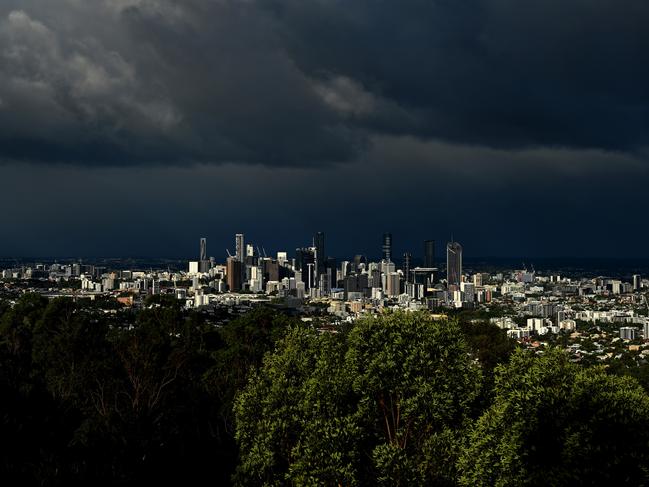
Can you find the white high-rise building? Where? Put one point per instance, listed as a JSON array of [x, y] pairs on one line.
[[628, 333], [477, 280], [300, 289], [535, 324], [393, 284], [387, 267], [616, 287], [344, 269]]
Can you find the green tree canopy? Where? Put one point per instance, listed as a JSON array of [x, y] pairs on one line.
[[556, 423], [381, 404]]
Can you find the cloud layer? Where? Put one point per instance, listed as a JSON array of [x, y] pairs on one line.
[[309, 83], [528, 203]]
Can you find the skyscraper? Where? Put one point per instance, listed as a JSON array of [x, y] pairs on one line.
[[407, 262], [310, 275], [387, 246], [358, 261], [393, 284], [304, 257], [319, 244], [203, 255], [429, 253], [240, 247], [203, 262], [233, 272], [453, 263]]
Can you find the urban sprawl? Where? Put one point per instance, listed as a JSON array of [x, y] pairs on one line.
[[596, 318]]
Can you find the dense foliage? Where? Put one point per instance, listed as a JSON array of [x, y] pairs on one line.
[[93, 398], [163, 395], [384, 404], [553, 422]]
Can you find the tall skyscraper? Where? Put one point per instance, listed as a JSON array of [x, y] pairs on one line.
[[393, 284], [233, 272], [637, 282], [359, 260], [203, 262], [310, 275], [407, 262], [330, 269], [320, 256], [240, 247], [344, 269], [271, 269], [203, 255], [305, 257], [453, 263], [429, 253], [387, 246]]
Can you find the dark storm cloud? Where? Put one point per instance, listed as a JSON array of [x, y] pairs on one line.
[[503, 73], [532, 202], [186, 82], [305, 83]]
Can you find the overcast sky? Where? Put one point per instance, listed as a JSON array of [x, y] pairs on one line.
[[135, 127]]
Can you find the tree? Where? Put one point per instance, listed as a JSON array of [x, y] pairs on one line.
[[243, 343], [137, 396], [70, 351], [417, 385], [267, 410], [490, 346], [397, 390], [35, 427], [555, 423], [16, 332]]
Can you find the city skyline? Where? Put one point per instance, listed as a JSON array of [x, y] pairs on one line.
[[332, 242], [221, 247]]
